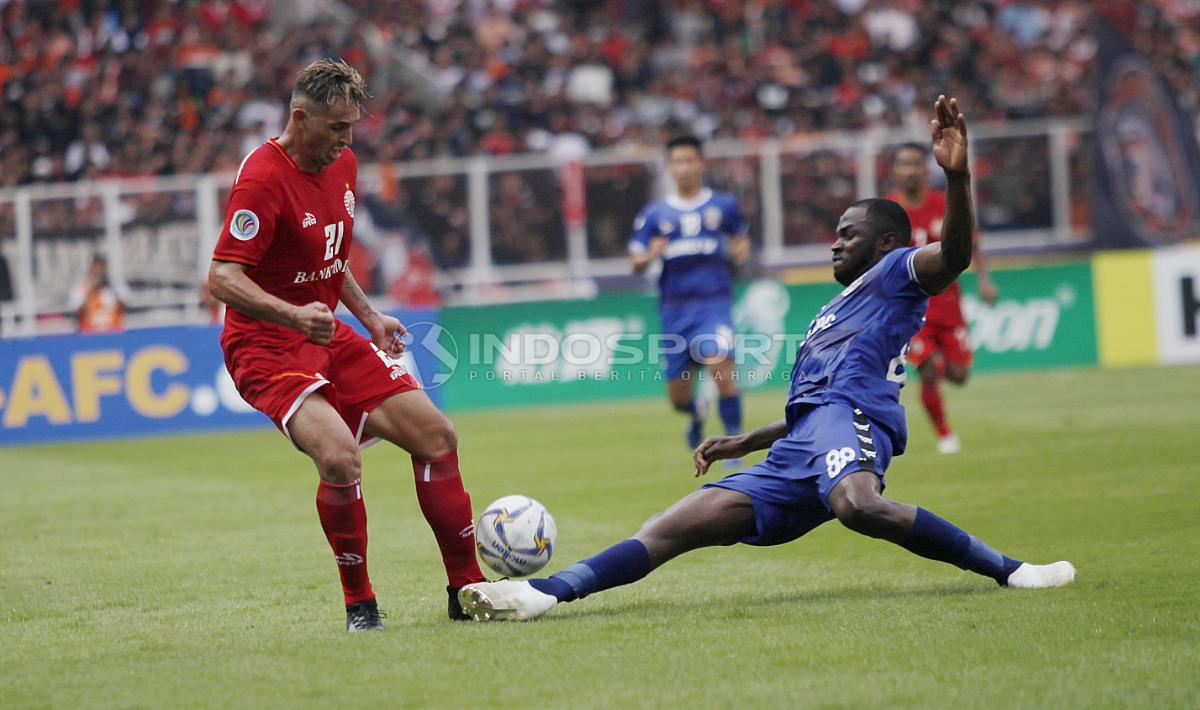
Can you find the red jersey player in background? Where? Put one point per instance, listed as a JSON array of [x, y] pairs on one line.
[[281, 266], [941, 348]]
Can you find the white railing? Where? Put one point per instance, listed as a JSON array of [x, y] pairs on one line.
[[499, 227]]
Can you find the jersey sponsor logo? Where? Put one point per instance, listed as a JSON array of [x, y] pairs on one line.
[[348, 200], [712, 218], [243, 225], [330, 271], [821, 323], [309, 220], [691, 247], [689, 223]]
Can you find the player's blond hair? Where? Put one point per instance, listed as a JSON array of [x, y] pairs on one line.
[[326, 80]]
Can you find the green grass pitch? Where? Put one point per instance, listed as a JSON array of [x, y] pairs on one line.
[[191, 571]]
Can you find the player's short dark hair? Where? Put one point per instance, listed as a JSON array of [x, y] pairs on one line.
[[324, 81], [685, 141], [887, 216], [911, 145]]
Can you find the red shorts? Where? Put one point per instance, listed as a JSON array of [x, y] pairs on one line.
[[949, 340], [274, 371]]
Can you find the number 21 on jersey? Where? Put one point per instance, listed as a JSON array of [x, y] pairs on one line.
[[333, 239]]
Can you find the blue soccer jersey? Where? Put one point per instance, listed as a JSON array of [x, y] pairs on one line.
[[695, 262], [853, 352]]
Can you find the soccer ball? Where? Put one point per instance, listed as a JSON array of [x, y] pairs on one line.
[[515, 536]]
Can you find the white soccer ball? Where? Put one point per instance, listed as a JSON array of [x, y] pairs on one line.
[[515, 536]]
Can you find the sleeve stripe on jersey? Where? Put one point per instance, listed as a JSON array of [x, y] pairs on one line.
[[243, 165], [235, 259], [912, 267], [636, 247]]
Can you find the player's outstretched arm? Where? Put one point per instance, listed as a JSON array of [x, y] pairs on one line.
[[938, 264], [228, 282], [716, 448], [386, 331]]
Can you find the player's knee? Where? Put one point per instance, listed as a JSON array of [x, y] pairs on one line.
[[440, 440], [957, 374], [340, 465], [865, 514]]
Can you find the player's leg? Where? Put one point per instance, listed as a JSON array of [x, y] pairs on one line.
[[857, 503], [679, 368], [714, 347], [412, 422], [955, 363], [318, 430], [707, 517], [682, 391], [956, 349], [923, 353], [729, 400]]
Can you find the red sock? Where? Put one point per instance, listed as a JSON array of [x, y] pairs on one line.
[[931, 397], [344, 519], [447, 508]]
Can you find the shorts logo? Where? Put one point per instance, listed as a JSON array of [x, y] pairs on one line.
[[309, 220], [348, 200], [244, 225]]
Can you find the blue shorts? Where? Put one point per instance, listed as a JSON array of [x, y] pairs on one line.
[[790, 489], [695, 333]]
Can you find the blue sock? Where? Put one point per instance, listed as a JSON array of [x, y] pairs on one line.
[[937, 539], [731, 413], [623, 563]]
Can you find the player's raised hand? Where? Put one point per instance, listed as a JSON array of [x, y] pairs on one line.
[[715, 448], [316, 321], [949, 132], [388, 335]]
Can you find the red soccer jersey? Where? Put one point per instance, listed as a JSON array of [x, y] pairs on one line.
[[291, 228], [926, 218]]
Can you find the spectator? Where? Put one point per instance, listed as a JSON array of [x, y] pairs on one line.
[[97, 305]]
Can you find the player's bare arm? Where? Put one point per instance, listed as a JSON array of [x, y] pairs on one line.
[[228, 282], [988, 292], [385, 330], [938, 264], [739, 249], [641, 261], [716, 448]]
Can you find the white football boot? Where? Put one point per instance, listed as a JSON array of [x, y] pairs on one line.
[[949, 444], [1027, 576], [506, 600]]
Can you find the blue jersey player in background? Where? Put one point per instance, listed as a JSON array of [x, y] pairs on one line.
[[698, 233], [842, 423]]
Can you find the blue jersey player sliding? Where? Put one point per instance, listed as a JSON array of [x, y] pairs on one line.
[[696, 232], [843, 423]]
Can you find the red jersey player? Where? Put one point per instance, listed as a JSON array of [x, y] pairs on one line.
[[940, 348], [281, 266]]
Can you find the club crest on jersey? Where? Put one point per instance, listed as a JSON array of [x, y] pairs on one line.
[[712, 218], [309, 220], [244, 225], [348, 200], [665, 226]]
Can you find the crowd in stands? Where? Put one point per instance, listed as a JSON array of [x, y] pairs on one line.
[[95, 88]]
